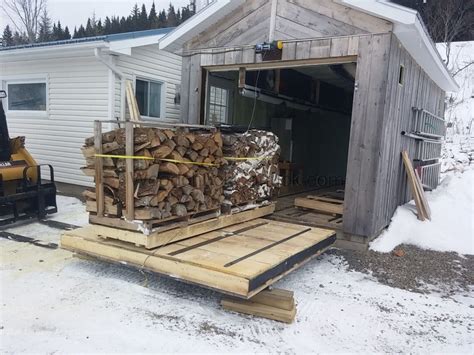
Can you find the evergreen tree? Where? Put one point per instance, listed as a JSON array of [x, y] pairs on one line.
[[133, 19], [122, 25], [75, 32], [54, 33], [99, 29], [90, 32], [81, 32], [19, 39], [172, 20], [143, 19], [153, 17], [60, 32], [107, 26], [7, 38], [178, 17], [44, 34], [67, 34], [162, 19]]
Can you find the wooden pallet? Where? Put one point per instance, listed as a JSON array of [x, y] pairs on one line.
[[137, 234], [147, 227], [273, 304], [239, 260], [322, 204]]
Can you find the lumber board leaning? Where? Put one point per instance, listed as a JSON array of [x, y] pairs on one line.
[[413, 185], [424, 201]]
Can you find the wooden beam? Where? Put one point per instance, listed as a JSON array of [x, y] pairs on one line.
[[99, 166], [284, 64], [129, 173]]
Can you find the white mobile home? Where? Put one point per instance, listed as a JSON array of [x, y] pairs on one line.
[[57, 89]]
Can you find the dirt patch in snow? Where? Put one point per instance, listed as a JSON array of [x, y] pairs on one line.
[[418, 270]]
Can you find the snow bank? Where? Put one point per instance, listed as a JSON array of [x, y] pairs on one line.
[[451, 228]]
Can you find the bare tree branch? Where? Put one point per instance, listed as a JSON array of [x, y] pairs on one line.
[[463, 68], [24, 14]]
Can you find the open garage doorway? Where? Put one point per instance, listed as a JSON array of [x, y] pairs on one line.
[[309, 108]]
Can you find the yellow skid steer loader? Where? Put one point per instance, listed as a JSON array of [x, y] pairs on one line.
[[23, 193]]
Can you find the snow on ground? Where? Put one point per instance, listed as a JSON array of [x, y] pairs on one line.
[[52, 302], [452, 224]]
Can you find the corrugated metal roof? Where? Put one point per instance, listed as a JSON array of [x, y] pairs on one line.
[[105, 38]]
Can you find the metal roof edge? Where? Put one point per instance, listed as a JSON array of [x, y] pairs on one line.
[[126, 37]]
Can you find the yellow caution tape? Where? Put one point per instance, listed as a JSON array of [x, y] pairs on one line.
[[123, 157], [151, 158], [249, 158], [187, 162]]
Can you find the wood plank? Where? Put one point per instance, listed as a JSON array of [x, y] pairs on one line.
[[412, 181], [99, 166], [424, 201], [161, 238], [319, 205], [278, 298], [129, 172], [259, 310]]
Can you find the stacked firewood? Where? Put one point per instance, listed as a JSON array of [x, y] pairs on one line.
[[180, 176], [252, 172]]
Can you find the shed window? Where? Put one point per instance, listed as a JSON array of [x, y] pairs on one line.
[[218, 105], [149, 97], [26, 96], [401, 79]]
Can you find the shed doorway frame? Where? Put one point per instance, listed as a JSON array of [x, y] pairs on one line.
[[271, 65]]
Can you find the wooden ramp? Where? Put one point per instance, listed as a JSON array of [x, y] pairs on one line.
[[239, 260]]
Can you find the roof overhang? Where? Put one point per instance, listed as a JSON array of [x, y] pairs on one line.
[[412, 33], [408, 27]]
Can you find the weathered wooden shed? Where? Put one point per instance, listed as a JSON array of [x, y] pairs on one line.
[[355, 83]]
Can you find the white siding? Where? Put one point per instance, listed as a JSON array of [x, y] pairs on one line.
[[78, 94], [151, 63], [77, 89]]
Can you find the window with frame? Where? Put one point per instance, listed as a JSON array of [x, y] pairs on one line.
[[149, 96], [218, 105], [27, 96]]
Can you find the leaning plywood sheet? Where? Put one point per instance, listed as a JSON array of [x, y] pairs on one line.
[[239, 260]]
